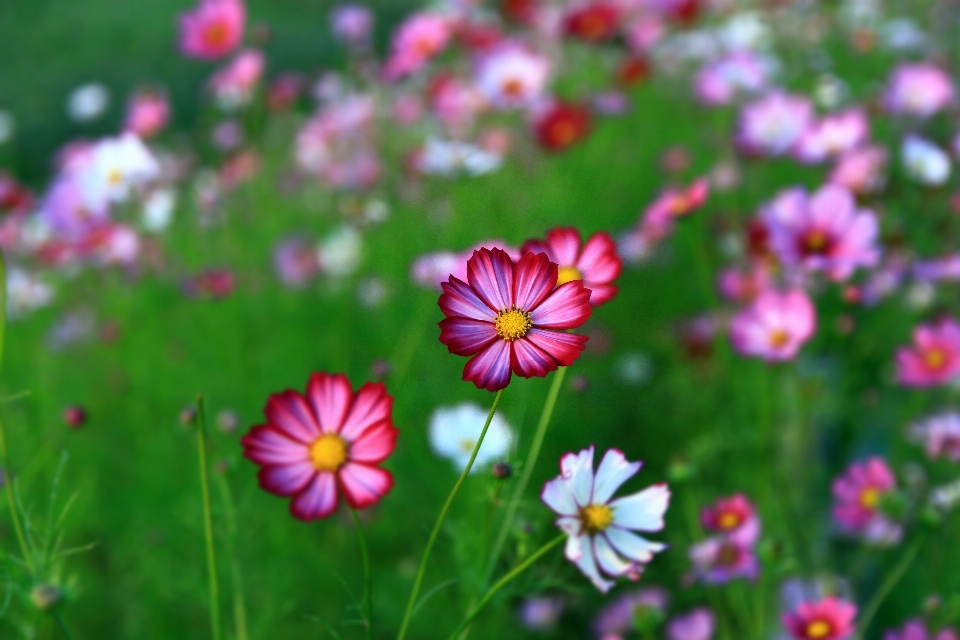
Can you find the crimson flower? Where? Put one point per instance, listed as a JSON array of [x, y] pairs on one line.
[[324, 444], [596, 263], [561, 126], [510, 317]]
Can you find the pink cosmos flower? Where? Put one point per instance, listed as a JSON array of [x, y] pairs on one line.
[[857, 495], [822, 232], [919, 90], [744, 285], [213, 29], [147, 113], [832, 136], [698, 624], [723, 80], [934, 357], [720, 559], [329, 442], [596, 262], [617, 619], [234, 84], [600, 530], [510, 76], [510, 316], [772, 125], [351, 23], [827, 619], [416, 41], [677, 203], [296, 262], [862, 170], [728, 515], [775, 326], [940, 436], [917, 630]]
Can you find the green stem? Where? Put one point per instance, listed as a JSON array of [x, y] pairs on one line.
[[62, 625], [239, 604], [367, 592], [8, 474], [887, 585], [443, 515], [504, 580], [215, 624], [528, 466]]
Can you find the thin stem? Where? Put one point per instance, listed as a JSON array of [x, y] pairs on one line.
[[443, 515], [367, 592], [62, 625], [504, 580], [528, 466], [888, 584], [239, 603], [215, 623], [8, 475]]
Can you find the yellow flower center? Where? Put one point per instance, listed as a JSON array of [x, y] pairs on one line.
[[568, 274], [512, 323], [328, 452], [115, 177], [728, 520], [467, 445], [869, 498], [934, 358], [512, 88], [596, 518], [216, 34], [779, 338], [819, 629]]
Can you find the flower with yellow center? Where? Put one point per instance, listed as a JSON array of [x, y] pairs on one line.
[[819, 629], [596, 518], [568, 274], [729, 520], [779, 338], [869, 498], [512, 323], [328, 452], [934, 358]]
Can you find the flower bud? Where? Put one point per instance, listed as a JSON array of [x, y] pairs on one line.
[[45, 596], [75, 416], [502, 470]]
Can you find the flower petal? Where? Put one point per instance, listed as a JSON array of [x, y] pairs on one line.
[[587, 563], [267, 445], [534, 279], [577, 469], [364, 485], [490, 274], [289, 412], [459, 300], [642, 511], [287, 479], [611, 563], [371, 405], [558, 495], [490, 369], [330, 398], [613, 471], [567, 307], [564, 245], [632, 546], [599, 260], [467, 337], [565, 348], [374, 444], [318, 499], [529, 360]]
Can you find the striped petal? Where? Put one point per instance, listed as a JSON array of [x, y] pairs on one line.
[[364, 485], [371, 405], [466, 337], [567, 307], [490, 369], [289, 412], [288, 479], [490, 274], [529, 360], [535, 278], [330, 398], [564, 245], [374, 444], [459, 300], [318, 499], [565, 348], [267, 445]]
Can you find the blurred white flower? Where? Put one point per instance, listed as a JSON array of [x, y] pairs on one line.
[[745, 30], [920, 295], [26, 291], [830, 91], [449, 157], [116, 166], [925, 162], [372, 292], [7, 126], [454, 431], [158, 209], [339, 253], [88, 102], [903, 34]]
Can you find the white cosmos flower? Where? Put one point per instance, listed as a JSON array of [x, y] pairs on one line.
[[510, 76], [115, 166], [925, 162], [454, 431], [601, 539], [339, 253], [88, 102], [449, 157]]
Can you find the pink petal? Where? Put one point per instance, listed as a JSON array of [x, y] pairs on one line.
[[535, 278], [288, 479], [490, 274], [374, 444], [289, 412], [490, 369], [371, 405], [267, 445], [330, 397], [600, 293], [567, 307], [362, 485], [564, 245], [599, 261], [459, 300], [565, 348], [318, 499], [466, 337], [529, 360]]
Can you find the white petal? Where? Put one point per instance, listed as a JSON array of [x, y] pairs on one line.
[[588, 565], [642, 511], [613, 471], [558, 495], [632, 546], [607, 557], [569, 525], [578, 469]]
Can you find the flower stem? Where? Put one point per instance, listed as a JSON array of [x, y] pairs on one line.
[[367, 603], [528, 466], [504, 580], [215, 623], [63, 626], [888, 584], [4, 458], [239, 605], [443, 515]]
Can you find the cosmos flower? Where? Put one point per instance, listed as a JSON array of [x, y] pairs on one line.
[[327, 443], [147, 113], [453, 433], [616, 620], [822, 232], [772, 125], [416, 41], [775, 326], [593, 22], [510, 76], [925, 162], [595, 262], [233, 85], [720, 559], [698, 624], [296, 262], [561, 125], [114, 168], [511, 316], [857, 496], [600, 530], [213, 29], [676, 203], [832, 136], [918, 90], [351, 23], [934, 357], [940, 436], [917, 630], [452, 157], [862, 170], [827, 619], [728, 515], [739, 73]]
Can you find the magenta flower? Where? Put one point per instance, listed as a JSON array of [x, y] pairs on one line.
[[775, 326], [857, 495], [919, 90], [827, 619], [147, 113], [833, 135], [934, 357], [772, 125], [698, 624], [416, 41], [213, 29], [917, 630], [862, 171], [822, 232], [940, 436], [511, 316], [596, 263], [720, 559], [728, 515], [328, 442]]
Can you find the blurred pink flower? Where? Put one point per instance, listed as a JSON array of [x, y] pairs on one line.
[[934, 357], [233, 85], [147, 113], [595, 262], [725, 79], [857, 495], [862, 170], [510, 76], [775, 326], [720, 559], [919, 90], [698, 624], [827, 619], [940, 436], [296, 262], [728, 515], [743, 285], [832, 136], [351, 23], [415, 42], [213, 29], [917, 630], [772, 125]]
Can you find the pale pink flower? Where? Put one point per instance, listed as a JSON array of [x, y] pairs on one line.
[[773, 125], [919, 90], [862, 171], [934, 357], [775, 326], [213, 29], [233, 85], [857, 495], [736, 74], [510, 76], [147, 113], [351, 23], [832, 136], [416, 41], [698, 624]]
